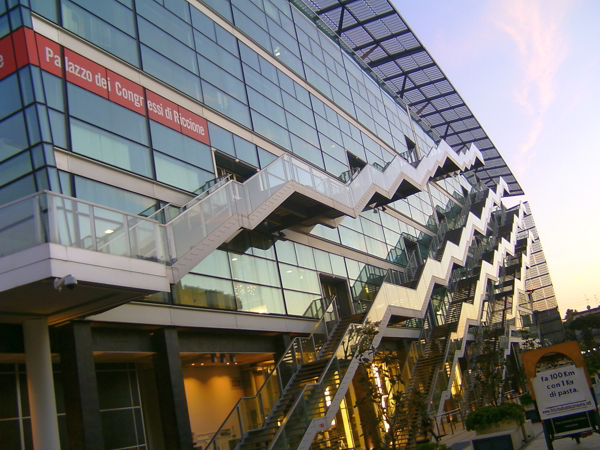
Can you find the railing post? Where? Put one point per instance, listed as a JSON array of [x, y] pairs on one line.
[[263, 416], [52, 225], [280, 383], [301, 352], [92, 226], [241, 421], [37, 220]]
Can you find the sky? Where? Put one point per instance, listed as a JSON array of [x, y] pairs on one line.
[[529, 70]]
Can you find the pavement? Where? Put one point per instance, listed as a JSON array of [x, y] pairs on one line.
[[460, 440], [589, 443]]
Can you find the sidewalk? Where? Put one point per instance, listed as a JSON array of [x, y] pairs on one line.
[[589, 443], [461, 441]]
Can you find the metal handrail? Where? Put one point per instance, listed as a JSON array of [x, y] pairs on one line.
[[201, 192], [311, 385], [275, 369]]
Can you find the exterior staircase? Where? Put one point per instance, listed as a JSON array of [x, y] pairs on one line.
[[288, 412], [509, 254]]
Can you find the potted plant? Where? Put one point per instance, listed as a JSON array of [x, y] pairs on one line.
[[432, 446], [530, 411], [492, 419]]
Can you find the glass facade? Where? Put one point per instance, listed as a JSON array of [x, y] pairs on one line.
[[127, 105], [178, 44], [308, 97]]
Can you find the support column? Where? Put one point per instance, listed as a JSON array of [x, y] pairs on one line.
[[40, 384], [171, 390], [84, 424]]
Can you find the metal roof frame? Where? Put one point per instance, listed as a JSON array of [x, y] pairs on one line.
[[377, 34]]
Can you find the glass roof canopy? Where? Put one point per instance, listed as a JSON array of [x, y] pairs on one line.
[[376, 32]]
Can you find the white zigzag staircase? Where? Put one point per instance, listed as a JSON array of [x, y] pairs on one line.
[[471, 314], [317, 401], [219, 216]]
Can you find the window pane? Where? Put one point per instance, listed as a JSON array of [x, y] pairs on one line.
[[305, 256], [209, 292], [254, 270], [110, 148], [53, 86], [106, 114], [13, 136], [167, 45], [179, 174], [171, 73], [299, 279], [181, 146], [259, 299], [322, 260], [286, 252], [98, 32], [215, 264], [164, 19], [298, 302], [113, 197], [9, 93]]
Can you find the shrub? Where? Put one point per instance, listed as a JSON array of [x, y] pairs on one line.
[[489, 416], [526, 399], [432, 446]]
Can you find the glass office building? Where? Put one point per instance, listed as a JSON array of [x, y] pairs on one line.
[[195, 194]]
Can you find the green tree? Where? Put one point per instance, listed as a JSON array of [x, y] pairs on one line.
[[586, 324]]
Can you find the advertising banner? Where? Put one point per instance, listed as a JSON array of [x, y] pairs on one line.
[[27, 47], [561, 392]]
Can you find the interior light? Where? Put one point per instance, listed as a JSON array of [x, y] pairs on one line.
[[289, 271], [202, 364], [193, 364], [109, 231], [234, 259]]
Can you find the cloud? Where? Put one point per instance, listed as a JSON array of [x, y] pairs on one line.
[[534, 27]]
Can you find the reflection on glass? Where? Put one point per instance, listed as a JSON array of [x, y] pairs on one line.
[[254, 270], [259, 299], [299, 279], [209, 292], [299, 302]]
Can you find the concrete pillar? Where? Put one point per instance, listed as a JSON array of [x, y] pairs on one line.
[[84, 424], [40, 383], [171, 390]]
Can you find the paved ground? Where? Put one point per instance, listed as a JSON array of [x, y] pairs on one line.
[[589, 443], [460, 440]]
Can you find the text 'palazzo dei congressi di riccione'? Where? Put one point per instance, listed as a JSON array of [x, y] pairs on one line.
[[200, 201]]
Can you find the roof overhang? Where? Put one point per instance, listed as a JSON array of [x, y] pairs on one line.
[[379, 36]]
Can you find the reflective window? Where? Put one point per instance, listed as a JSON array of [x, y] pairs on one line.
[[299, 279], [253, 270], [167, 45], [113, 197], [216, 264], [100, 33], [14, 136], [181, 146], [179, 174], [259, 299], [297, 303], [106, 114], [171, 73], [9, 93], [196, 290], [286, 252], [110, 148]]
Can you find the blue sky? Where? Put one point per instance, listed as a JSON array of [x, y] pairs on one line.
[[530, 72]]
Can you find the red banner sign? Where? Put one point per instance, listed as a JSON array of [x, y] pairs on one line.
[[27, 47]]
